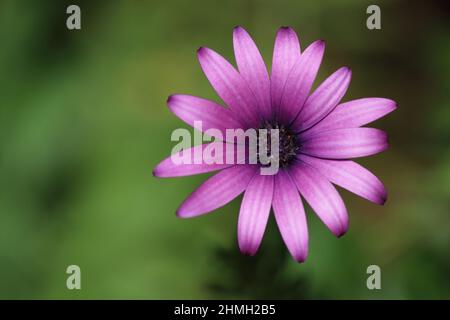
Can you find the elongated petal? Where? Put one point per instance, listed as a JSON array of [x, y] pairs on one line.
[[286, 52], [353, 114], [217, 191], [194, 110], [254, 213], [321, 196], [195, 160], [252, 68], [323, 100], [345, 143], [290, 216], [351, 176], [229, 85], [300, 80]]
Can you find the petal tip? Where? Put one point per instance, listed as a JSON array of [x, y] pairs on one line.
[[383, 199], [342, 231], [321, 42], [201, 50], [286, 29], [247, 248], [390, 104], [239, 33], [157, 172], [347, 69], [341, 228], [318, 46], [394, 105], [301, 255], [247, 251], [300, 259], [183, 210], [170, 99], [379, 196], [181, 213]]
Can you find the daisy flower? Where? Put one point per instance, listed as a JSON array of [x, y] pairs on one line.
[[318, 135]]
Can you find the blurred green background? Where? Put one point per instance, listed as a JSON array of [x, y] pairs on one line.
[[83, 121]]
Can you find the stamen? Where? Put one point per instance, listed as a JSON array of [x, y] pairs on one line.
[[288, 143]]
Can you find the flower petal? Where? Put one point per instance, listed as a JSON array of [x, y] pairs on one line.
[[351, 176], [345, 143], [299, 81], [286, 52], [192, 109], [290, 216], [229, 85], [323, 99], [321, 196], [254, 213], [252, 68], [217, 191], [353, 114], [197, 161]]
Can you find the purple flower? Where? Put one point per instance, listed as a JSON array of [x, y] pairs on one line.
[[318, 136]]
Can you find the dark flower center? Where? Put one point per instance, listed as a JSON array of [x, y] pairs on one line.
[[288, 144]]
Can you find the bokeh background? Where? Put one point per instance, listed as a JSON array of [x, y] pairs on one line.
[[83, 121]]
